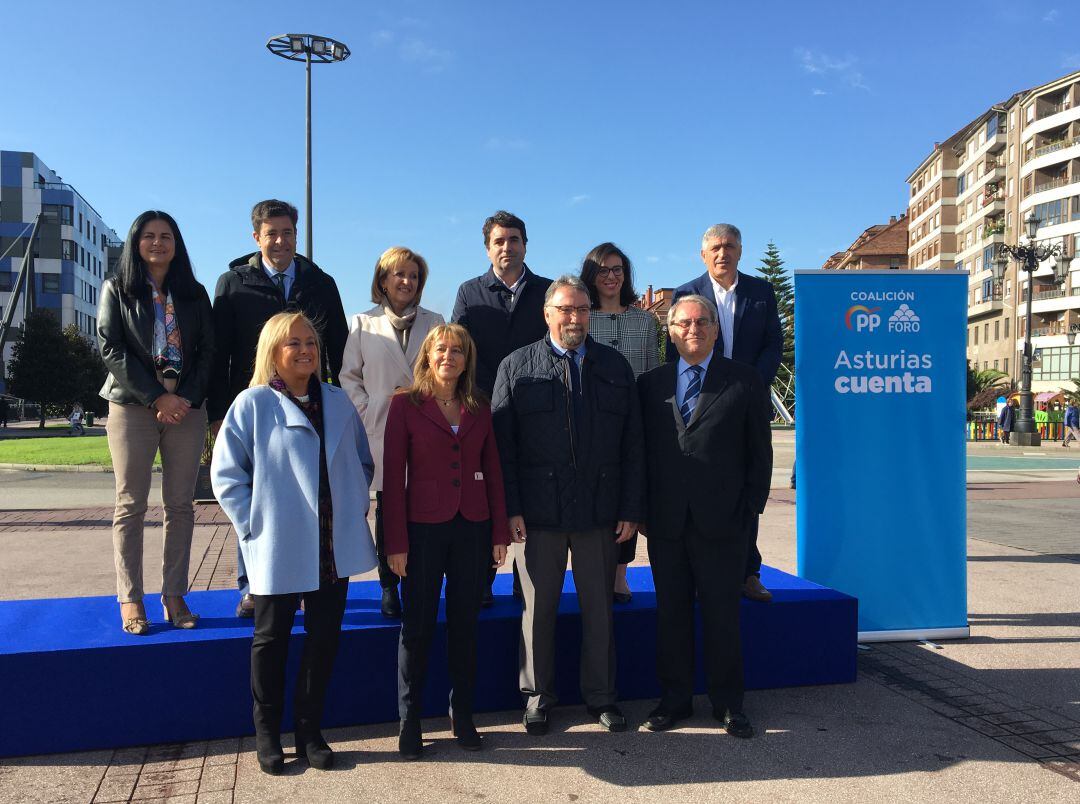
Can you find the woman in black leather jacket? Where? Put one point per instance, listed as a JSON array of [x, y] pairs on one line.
[[157, 340]]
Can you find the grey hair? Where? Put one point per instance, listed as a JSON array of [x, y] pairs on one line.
[[718, 230], [693, 298], [564, 281]]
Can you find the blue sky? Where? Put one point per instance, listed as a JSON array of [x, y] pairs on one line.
[[641, 123]]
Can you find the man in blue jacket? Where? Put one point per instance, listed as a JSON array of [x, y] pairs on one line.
[[750, 332], [503, 308], [1072, 423]]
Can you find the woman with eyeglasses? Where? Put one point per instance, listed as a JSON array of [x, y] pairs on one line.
[[156, 336], [617, 322]]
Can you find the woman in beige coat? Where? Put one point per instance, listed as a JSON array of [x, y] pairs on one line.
[[379, 357]]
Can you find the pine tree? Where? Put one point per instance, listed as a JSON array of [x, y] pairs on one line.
[[41, 367], [773, 271]]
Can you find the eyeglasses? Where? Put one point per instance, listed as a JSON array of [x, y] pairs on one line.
[[616, 270], [685, 324], [566, 310]]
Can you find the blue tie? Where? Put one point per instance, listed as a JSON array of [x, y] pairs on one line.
[[692, 391]]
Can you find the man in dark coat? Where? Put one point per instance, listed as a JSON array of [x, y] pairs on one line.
[[1006, 421], [257, 287], [569, 433], [503, 309], [708, 454], [750, 332]]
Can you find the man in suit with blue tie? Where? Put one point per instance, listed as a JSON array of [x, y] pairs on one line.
[[749, 332], [709, 461]]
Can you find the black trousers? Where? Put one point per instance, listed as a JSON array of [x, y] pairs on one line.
[[274, 615], [753, 555], [460, 550], [387, 578], [708, 567], [628, 550]]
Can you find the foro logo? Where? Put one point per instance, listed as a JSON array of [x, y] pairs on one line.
[[904, 320], [862, 318]]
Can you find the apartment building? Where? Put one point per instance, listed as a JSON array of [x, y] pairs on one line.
[[74, 250], [1049, 181], [883, 246]]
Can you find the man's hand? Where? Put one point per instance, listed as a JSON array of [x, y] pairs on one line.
[[624, 531], [517, 529], [498, 555], [397, 562]]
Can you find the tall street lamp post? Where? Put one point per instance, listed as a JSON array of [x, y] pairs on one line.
[[1029, 256], [310, 49]]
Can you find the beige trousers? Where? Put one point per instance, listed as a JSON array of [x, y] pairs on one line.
[[135, 436]]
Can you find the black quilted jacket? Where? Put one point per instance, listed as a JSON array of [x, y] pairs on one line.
[[554, 480]]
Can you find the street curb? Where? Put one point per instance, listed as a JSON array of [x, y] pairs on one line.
[[90, 467]]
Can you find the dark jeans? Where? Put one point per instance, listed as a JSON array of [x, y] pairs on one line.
[[460, 550], [274, 615], [387, 578], [708, 568]]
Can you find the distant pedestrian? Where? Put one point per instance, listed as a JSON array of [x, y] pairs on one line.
[[75, 420], [1072, 423], [156, 336], [3, 411], [1006, 420]]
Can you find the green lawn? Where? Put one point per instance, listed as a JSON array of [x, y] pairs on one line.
[[74, 451]]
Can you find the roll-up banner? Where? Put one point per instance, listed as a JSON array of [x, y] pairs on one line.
[[880, 447]]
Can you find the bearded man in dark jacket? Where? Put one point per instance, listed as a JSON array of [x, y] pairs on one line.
[[257, 287], [568, 425]]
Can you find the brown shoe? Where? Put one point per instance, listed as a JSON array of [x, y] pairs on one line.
[[755, 591]]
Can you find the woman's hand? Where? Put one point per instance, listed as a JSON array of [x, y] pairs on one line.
[[498, 553], [397, 562], [171, 409]]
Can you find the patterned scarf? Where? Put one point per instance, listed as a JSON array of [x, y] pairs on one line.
[[168, 352]]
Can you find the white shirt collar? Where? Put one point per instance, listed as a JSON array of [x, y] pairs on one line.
[[719, 290]]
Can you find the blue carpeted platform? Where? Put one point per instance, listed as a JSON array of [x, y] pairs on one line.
[[74, 681]]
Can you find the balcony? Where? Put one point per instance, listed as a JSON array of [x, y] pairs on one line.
[[1048, 109], [1051, 147], [986, 306]]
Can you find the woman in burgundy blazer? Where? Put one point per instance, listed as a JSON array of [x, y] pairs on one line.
[[444, 513]]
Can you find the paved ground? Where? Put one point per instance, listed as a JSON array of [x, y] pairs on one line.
[[992, 718]]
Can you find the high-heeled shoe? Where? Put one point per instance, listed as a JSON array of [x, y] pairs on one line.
[[270, 754], [180, 619], [465, 731], [410, 739], [137, 625], [314, 749]]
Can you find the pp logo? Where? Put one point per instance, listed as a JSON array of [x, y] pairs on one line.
[[904, 320], [862, 318]]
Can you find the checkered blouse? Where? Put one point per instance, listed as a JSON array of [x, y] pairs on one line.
[[633, 333]]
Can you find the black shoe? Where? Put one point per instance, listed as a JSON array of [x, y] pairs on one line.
[[268, 751], [314, 748], [391, 603], [661, 719], [487, 600], [246, 607], [735, 723], [465, 731], [608, 716], [410, 741], [622, 598], [535, 722]]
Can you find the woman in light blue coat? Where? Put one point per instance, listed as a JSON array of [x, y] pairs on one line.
[[291, 470]]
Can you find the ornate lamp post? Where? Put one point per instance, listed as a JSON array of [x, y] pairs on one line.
[[310, 49], [1028, 257]]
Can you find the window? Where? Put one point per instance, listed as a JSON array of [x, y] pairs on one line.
[[960, 185], [1012, 154], [987, 289], [1010, 187], [80, 223], [1058, 363], [68, 250], [1051, 213], [95, 234], [995, 365], [1006, 366], [997, 332], [7, 281], [1007, 334], [986, 332], [50, 283], [976, 334]]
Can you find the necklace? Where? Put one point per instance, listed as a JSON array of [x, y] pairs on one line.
[[446, 402]]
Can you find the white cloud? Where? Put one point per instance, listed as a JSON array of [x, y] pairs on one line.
[[453, 220], [507, 144], [417, 51], [1071, 61], [1050, 16], [381, 38], [816, 92], [652, 258], [578, 199], [845, 70]]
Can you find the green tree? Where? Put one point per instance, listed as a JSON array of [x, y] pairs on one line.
[[984, 386], [772, 269], [42, 367], [89, 371]]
